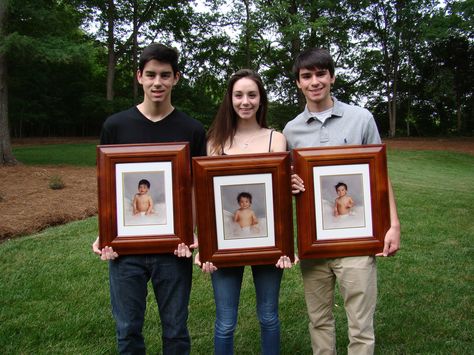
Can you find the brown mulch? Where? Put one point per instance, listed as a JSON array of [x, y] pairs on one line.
[[458, 144], [28, 204]]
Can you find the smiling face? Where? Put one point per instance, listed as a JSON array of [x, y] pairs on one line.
[[244, 202], [157, 79], [341, 191], [142, 189], [315, 85], [246, 99]]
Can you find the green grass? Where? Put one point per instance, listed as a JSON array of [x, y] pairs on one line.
[[54, 291], [82, 154]]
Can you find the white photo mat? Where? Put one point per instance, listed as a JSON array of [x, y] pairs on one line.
[[220, 183], [362, 221], [124, 229]]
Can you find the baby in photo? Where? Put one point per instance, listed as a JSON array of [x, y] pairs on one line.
[[245, 216], [142, 202], [344, 203]]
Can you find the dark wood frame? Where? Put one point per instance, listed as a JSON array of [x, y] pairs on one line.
[[276, 164], [305, 159], [108, 156]]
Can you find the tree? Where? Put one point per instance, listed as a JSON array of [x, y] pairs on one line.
[[125, 24], [51, 68], [6, 155], [297, 25], [451, 45], [120, 22]]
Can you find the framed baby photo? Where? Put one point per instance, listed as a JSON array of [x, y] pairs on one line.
[[144, 197], [344, 210], [244, 208]]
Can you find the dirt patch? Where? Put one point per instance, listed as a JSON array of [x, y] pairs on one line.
[[461, 144], [28, 205]]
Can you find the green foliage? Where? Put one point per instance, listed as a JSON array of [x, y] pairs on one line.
[[195, 103], [55, 299], [419, 54], [280, 114], [52, 69]]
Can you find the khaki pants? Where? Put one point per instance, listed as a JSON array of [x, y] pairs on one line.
[[357, 279]]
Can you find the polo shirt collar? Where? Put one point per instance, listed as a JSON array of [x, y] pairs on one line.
[[337, 111]]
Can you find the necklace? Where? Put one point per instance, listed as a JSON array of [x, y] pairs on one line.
[[245, 143]]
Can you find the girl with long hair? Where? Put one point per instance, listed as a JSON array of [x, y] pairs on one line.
[[240, 127]]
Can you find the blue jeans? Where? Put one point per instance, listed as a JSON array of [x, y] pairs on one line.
[[227, 283], [171, 279]]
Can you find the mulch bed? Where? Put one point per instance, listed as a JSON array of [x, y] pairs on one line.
[[28, 204]]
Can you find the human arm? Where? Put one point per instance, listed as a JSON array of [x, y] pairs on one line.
[[297, 184], [135, 205], [106, 253], [254, 219], [236, 216], [392, 237], [182, 250], [150, 206], [278, 142], [206, 267], [350, 202], [335, 211], [285, 262]]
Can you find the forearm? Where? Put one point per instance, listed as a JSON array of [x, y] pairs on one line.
[[392, 237], [394, 221]]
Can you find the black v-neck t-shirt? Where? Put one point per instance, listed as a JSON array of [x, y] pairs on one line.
[[131, 127]]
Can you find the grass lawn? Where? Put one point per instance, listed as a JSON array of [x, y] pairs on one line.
[[54, 291], [81, 154]]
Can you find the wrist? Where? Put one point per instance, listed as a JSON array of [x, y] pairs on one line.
[[395, 225]]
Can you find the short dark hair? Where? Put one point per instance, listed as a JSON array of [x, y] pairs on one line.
[[161, 53], [245, 195], [144, 182], [313, 58], [339, 184]]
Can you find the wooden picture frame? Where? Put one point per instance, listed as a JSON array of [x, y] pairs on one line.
[[225, 239], [332, 228], [131, 230]]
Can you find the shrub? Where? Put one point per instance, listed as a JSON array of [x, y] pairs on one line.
[[56, 183]]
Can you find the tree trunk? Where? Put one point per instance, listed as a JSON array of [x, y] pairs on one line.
[[395, 65], [459, 123], [295, 48], [135, 51], [393, 113], [389, 109], [111, 51], [248, 63], [459, 119], [6, 155]]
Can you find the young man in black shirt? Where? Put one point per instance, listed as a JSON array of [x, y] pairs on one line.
[[155, 120]]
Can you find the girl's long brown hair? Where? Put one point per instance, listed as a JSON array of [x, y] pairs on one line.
[[224, 126]]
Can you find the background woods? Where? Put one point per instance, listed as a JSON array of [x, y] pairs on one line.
[[65, 66]]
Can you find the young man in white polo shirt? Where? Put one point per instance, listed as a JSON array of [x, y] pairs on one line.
[[329, 122]]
